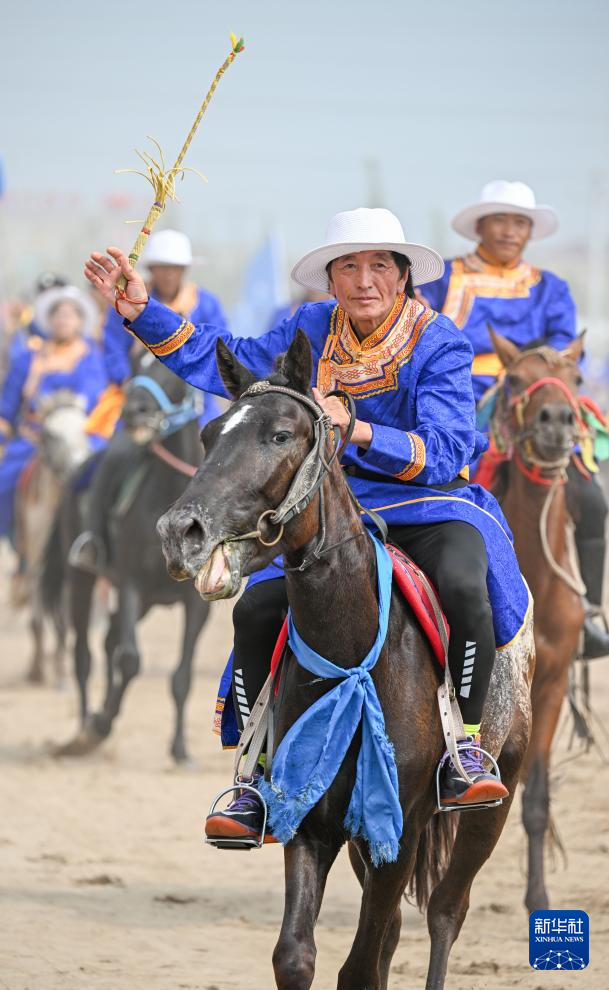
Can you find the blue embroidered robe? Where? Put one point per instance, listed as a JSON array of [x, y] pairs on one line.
[[87, 378], [411, 380], [522, 303]]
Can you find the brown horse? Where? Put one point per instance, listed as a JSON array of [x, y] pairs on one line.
[[214, 533], [536, 424]]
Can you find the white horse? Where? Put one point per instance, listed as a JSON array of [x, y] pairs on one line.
[[63, 446]]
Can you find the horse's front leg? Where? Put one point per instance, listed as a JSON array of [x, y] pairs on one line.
[[195, 617], [307, 863], [392, 935], [36, 673], [383, 889], [126, 657]]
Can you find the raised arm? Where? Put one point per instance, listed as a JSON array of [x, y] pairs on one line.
[[188, 350]]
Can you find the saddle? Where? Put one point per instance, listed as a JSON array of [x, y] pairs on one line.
[[420, 594]]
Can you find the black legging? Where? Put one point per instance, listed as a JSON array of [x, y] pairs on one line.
[[453, 556], [588, 507]]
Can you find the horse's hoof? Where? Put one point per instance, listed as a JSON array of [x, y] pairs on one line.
[[83, 742], [35, 676], [180, 756], [185, 763], [537, 902]]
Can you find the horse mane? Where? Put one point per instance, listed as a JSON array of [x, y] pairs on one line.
[[552, 357], [62, 398]]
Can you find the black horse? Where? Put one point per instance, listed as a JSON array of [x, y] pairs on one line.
[[214, 533], [158, 447]]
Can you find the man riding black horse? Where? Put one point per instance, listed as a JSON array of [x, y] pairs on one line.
[[409, 372]]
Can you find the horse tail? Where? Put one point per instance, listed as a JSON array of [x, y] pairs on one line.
[[53, 572], [433, 855]]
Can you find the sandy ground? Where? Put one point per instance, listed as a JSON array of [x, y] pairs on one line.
[[105, 883]]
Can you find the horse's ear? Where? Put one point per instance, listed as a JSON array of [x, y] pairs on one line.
[[236, 376], [576, 349], [506, 351], [297, 364]]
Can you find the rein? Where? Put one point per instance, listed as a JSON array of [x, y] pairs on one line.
[[182, 467], [310, 475]]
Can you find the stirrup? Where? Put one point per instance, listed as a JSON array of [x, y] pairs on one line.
[[494, 769], [87, 536], [246, 842], [591, 629]]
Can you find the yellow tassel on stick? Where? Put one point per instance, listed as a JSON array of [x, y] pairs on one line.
[[162, 180]]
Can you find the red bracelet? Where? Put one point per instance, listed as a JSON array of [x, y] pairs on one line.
[[121, 296]]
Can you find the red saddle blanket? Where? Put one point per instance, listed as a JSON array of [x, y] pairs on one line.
[[420, 595]]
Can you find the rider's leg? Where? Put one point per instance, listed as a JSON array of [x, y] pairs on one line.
[[257, 620], [453, 556], [90, 549], [588, 507]]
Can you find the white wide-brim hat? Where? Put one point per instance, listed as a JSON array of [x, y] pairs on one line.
[[168, 247], [47, 301], [365, 230], [501, 196]]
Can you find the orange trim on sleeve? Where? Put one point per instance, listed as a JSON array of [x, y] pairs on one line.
[[417, 463], [174, 342]]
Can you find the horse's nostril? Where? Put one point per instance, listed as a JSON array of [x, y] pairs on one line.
[[544, 416], [192, 531]]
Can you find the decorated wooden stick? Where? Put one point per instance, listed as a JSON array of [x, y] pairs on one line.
[[162, 181]]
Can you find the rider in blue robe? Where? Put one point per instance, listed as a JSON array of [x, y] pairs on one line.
[[167, 254], [27, 383], [409, 374], [519, 301], [412, 381], [494, 286]]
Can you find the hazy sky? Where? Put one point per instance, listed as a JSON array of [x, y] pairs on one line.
[[443, 95]]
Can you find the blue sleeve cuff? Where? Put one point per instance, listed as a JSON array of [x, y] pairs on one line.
[[162, 330], [396, 452]]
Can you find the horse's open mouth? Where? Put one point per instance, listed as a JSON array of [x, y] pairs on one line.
[[142, 434], [221, 574]]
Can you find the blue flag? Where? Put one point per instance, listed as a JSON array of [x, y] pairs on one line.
[[262, 290]]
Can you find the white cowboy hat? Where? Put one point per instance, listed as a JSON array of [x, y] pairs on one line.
[[365, 230], [47, 301], [501, 196], [169, 247]]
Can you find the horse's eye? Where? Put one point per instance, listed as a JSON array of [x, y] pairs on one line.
[[282, 437], [514, 381], [579, 380]]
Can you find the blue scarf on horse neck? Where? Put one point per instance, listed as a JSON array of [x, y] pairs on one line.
[[311, 753]]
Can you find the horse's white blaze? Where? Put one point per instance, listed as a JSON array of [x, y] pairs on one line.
[[239, 416]]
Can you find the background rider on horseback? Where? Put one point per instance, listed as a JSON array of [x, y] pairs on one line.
[[493, 285]]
